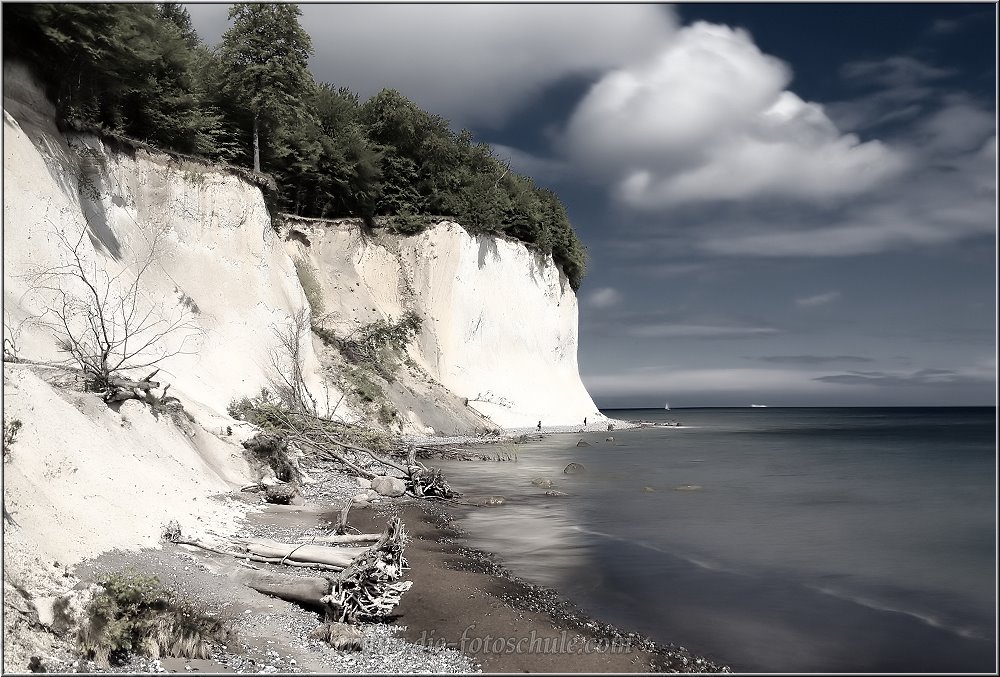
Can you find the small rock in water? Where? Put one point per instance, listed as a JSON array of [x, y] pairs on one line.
[[688, 487], [281, 494], [609, 439], [553, 492], [542, 482], [648, 490], [489, 500], [583, 443], [574, 468]]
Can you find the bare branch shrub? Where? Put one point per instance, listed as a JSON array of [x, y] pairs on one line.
[[107, 322], [12, 337], [288, 364]]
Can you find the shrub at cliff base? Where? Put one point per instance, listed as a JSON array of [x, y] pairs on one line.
[[133, 614]]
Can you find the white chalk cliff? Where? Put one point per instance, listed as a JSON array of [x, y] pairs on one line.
[[499, 322], [497, 346]]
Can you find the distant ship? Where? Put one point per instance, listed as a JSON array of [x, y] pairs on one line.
[[759, 406]]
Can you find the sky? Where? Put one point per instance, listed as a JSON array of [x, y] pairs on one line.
[[783, 204]]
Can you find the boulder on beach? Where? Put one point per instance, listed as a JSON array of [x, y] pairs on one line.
[[583, 443], [389, 486], [361, 500], [281, 494], [542, 482], [363, 483], [574, 468]]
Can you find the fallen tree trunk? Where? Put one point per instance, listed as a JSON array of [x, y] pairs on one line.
[[258, 558], [300, 589], [345, 538], [369, 587], [303, 552], [120, 389]]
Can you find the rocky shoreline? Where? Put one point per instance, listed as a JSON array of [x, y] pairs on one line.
[[273, 636]]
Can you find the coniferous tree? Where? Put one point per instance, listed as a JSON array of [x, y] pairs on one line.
[[141, 70], [177, 14], [265, 67]]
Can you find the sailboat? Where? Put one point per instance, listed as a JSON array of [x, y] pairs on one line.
[[666, 405]]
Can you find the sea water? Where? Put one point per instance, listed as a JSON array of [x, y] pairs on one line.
[[769, 539]]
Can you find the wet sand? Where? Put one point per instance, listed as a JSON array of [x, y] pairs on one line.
[[461, 599]]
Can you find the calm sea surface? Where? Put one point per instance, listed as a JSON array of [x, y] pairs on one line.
[[847, 539]]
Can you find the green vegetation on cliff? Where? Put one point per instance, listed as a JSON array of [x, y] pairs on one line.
[[140, 70]]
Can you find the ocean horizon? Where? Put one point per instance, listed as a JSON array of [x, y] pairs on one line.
[[846, 539]]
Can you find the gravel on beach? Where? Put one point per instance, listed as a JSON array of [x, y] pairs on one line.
[[273, 636]]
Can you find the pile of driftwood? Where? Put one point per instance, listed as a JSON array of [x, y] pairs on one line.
[[120, 389], [359, 581], [325, 440]]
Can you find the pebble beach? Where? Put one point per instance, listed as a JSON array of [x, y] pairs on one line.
[[464, 614]]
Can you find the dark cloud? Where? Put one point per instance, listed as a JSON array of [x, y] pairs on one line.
[[810, 360], [924, 377], [470, 63], [893, 72], [947, 27], [697, 331]]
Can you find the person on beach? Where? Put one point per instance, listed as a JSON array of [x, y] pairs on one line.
[[539, 426], [584, 420]]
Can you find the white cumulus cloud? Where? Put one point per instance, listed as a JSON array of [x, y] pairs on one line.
[[708, 119]]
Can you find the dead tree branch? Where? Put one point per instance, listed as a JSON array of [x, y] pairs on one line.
[[104, 320]]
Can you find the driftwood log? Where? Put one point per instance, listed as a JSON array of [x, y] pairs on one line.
[[429, 482], [120, 389], [364, 582], [371, 585], [341, 556], [304, 590]]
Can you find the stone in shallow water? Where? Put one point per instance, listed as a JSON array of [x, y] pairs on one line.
[[583, 443], [487, 500], [553, 492], [282, 494], [542, 482], [648, 490], [574, 468], [688, 487], [389, 486]]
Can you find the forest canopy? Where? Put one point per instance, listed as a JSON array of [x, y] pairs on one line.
[[140, 70]]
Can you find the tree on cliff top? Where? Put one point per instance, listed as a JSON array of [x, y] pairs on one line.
[[265, 59]]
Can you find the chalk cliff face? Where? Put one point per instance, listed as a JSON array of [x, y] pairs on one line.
[[499, 323], [497, 347]]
